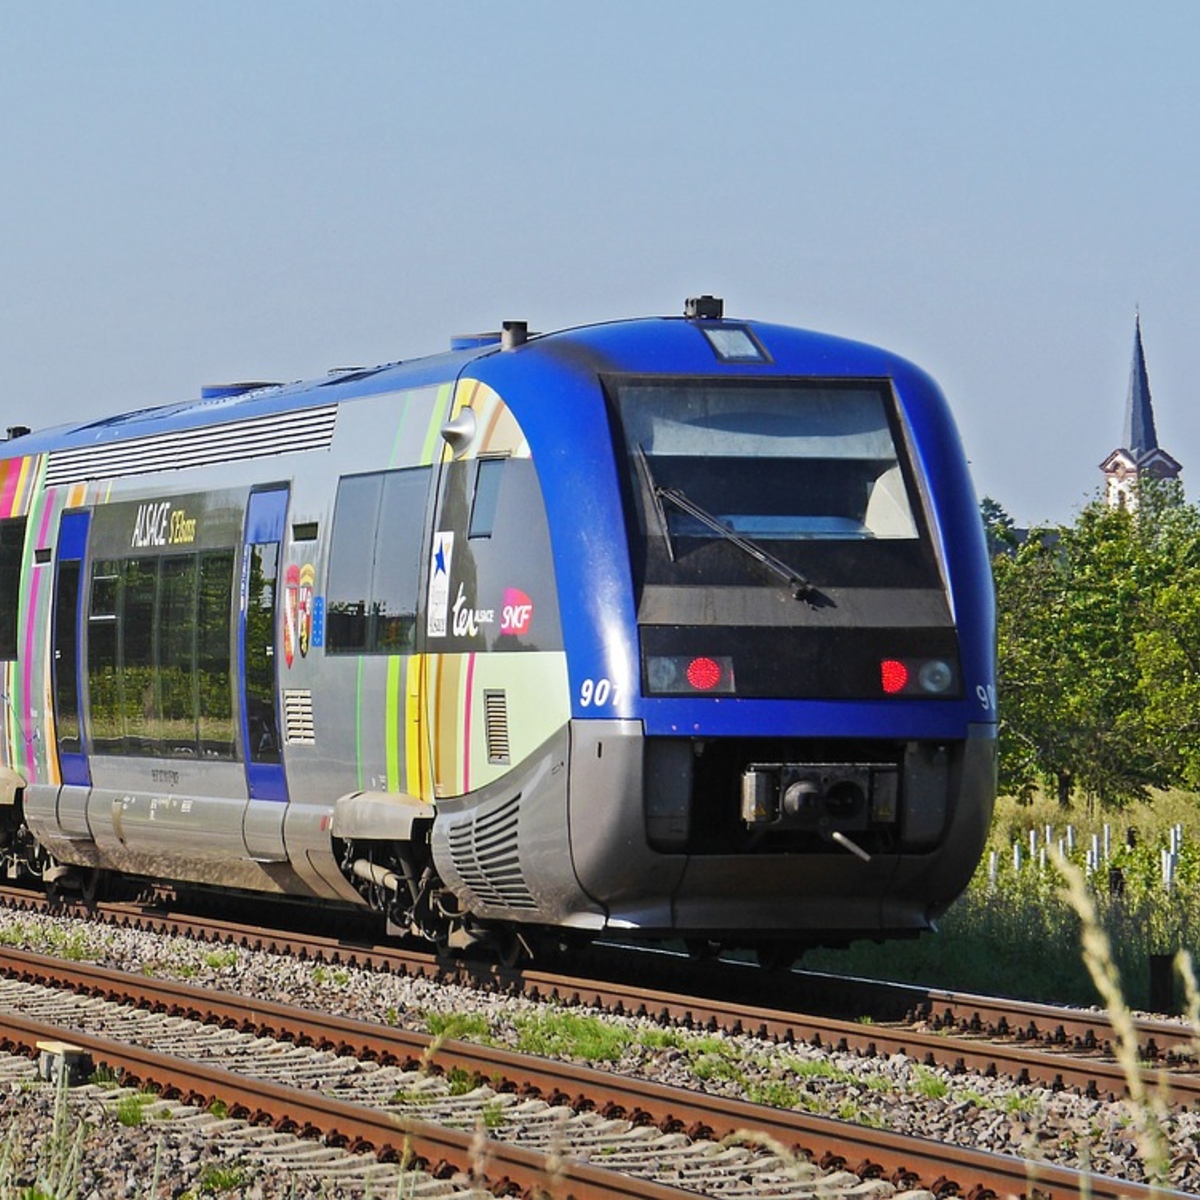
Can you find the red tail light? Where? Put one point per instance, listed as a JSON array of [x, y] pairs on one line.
[[703, 674], [918, 677], [894, 675], [687, 674]]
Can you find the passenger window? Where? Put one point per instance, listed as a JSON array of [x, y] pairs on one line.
[[139, 683], [213, 682], [488, 472], [103, 667], [260, 653], [12, 546], [374, 563], [351, 560], [177, 656], [397, 558], [66, 658], [159, 658]]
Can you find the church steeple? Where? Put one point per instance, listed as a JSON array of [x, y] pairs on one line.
[[1141, 455], [1140, 435]]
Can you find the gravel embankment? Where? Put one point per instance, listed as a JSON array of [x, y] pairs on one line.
[[893, 1092]]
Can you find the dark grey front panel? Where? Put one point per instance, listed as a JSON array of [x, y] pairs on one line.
[[505, 850], [612, 857]]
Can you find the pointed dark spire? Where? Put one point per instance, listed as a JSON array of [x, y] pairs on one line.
[[1140, 436]]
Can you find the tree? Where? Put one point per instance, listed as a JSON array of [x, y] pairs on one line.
[[1030, 667], [998, 525], [1168, 641], [1099, 652]]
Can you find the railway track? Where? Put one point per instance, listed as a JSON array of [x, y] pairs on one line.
[[1028, 1043], [593, 1116]]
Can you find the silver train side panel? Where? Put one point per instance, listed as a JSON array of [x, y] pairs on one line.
[[220, 840], [505, 850]]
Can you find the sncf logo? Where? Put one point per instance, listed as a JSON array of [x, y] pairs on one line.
[[516, 612]]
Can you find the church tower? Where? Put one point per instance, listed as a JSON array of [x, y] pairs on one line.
[[1141, 455]]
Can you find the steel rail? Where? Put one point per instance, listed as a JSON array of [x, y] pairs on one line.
[[972, 1017], [440, 1151], [868, 1152]]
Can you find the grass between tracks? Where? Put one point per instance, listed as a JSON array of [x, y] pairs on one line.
[[1018, 934]]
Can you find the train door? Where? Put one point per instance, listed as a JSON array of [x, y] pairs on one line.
[[65, 651], [261, 742]]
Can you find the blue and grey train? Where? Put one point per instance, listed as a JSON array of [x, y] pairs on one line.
[[667, 628]]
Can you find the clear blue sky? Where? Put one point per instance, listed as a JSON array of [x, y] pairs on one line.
[[196, 193]]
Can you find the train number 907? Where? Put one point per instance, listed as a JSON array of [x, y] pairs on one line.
[[597, 693]]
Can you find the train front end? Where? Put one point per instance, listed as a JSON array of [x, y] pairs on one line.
[[777, 613]]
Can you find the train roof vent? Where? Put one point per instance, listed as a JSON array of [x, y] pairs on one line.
[[474, 341], [223, 391], [350, 374], [201, 446]]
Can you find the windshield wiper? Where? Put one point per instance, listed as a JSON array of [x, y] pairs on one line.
[[801, 588], [656, 495]]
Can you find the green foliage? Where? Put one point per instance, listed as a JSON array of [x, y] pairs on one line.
[[930, 1085], [216, 1179], [557, 1033], [1098, 639], [998, 525], [493, 1115], [71, 944], [56, 1162], [716, 1066], [654, 1038], [1019, 936], [131, 1110], [774, 1092], [463, 1026], [459, 1081]]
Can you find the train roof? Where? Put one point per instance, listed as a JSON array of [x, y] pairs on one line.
[[643, 344]]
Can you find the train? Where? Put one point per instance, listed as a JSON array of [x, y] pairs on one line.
[[674, 629]]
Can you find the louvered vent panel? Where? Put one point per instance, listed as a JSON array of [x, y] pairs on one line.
[[495, 725], [298, 728], [485, 853], [258, 437]]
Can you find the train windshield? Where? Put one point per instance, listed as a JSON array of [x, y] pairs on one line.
[[811, 473]]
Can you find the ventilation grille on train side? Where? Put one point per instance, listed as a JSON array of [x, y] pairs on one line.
[[298, 727], [495, 725], [256, 437], [485, 853]]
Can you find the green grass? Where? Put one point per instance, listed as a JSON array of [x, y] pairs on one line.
[[774, 1092], [559, 1033], [1021, 937], [215, 1180], [131, 1110], [468, 1027]]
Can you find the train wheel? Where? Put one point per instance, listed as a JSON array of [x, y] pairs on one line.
[[701, 949], [92, 882], [511, 948]]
